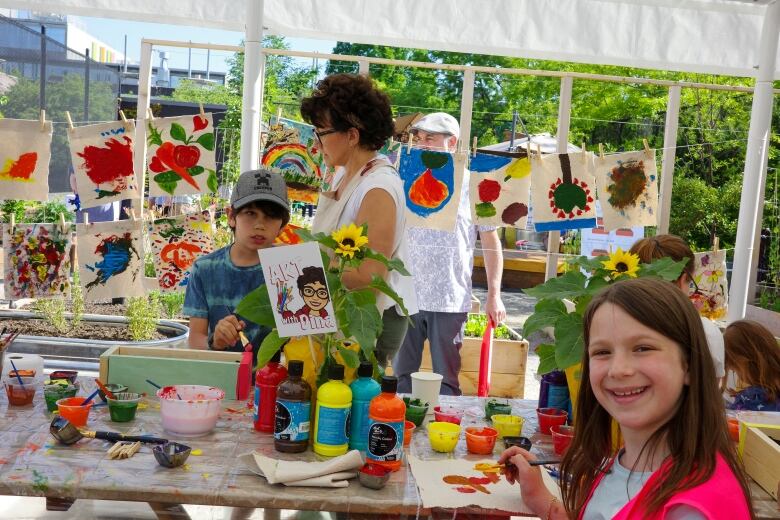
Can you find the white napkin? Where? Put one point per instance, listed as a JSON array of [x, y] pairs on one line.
[[330, 473]]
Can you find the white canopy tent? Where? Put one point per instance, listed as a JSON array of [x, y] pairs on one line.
[[734, 37]]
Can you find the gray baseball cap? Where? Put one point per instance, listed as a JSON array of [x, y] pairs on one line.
[[257, 185]]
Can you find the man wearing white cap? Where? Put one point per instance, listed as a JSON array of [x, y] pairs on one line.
[[441, 263]]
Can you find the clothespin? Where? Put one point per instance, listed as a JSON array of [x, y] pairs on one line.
[[202, 112], [149, 113], [715, 243], [132, 215], [43, 120], [584, 153], [62, 222], [278, 115], [12, 221], [539, 151], [86, 219], [474, 147], [122, 116], [528, 148], [601, 151], [409, 144], [646, 145], [70, 121]]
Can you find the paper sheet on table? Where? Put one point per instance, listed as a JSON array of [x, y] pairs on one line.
[[330, 473], [429, 475]]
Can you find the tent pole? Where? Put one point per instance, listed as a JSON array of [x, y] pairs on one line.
[[466, 107], [251, 110], [751, 201], [141, 107], [564, 120], [667, 164]]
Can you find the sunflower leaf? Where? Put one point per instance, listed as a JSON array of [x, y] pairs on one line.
[[365, 322], [546, 354], [394, 264], [382, 286], [256, 307], [546, 313], [270, 346], [569, 285], [665, 268], [569, 340]]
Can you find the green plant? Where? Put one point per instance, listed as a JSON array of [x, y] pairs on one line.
[[355, 310], [13, 207], [76, 301], [149, 271], [143, 313], [53, 311], [477, 323], [50, 212], [579, 288], [171, 303]]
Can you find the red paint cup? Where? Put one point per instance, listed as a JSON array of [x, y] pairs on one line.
[[549, 417], [734, 429], [20, 394], [481, 440], [447, 414], [562, 436], [408, 431], [71, 409]]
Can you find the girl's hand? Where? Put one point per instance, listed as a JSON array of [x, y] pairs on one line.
[[226, 332], [535, 493]]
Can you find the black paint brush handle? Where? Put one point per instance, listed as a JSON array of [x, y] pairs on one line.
[[115, 437], [546, 462]]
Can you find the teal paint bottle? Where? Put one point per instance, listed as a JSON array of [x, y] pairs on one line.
[[364, 388]]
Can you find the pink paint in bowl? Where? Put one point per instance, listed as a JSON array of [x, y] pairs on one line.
[[195, 413], [447, 414]]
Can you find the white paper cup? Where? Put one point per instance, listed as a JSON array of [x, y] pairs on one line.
[[426, 387]]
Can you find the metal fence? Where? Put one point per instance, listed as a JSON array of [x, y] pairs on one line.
[[37, 72]]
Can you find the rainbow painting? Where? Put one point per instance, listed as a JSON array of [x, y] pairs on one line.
[[291, 156]]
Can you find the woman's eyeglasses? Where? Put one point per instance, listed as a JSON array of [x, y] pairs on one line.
[[323, 133]]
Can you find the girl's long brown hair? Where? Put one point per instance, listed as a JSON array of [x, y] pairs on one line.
[[753, 353], [697, 431]]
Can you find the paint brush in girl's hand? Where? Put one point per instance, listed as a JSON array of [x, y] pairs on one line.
[[160, 388], [543, 462]]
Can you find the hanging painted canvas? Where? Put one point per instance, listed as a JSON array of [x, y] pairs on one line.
[[709, 290], [292, 149], [563, 192], [25, 150], [110, 259], [181, 157], [456, 483], [176, 243], [499, 188], [37, 260], [628, 189], [299, 293], [102, 158], [432, 185]]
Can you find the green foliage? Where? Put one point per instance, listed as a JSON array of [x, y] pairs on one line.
[[477, 323], [579, 289], [76, 301], [13, 207], [171, 303], [50, 212], [143, 313], [52, 310]]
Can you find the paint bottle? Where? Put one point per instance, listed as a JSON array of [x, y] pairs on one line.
[[331, 417], [293, 411], [364, 388], [266, 381], [386, 416]]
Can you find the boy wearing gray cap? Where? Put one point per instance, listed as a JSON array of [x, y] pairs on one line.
[[219, 281]]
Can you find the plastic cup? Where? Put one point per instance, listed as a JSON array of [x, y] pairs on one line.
[[123, 408], [53, 393], [20, 394], [493, 407], [562, 436], [507, 425], [481, 441], [415, 410], [409, 427], [114, 388], [443, 436], [734, 429], [70, 408], [447, 414], [549, 417], [193, 415], [426, 387]]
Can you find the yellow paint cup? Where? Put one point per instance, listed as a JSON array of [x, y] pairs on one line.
[[443, 436], [507, 425]]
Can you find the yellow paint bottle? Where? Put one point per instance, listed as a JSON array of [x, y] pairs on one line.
[[331, 418]]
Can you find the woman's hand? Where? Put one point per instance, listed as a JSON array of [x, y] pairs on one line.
[[535, 493], [226, 332]]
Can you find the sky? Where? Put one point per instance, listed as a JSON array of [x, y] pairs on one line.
[[112, 33]]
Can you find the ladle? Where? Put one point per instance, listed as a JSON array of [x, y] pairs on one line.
[[62, 430]]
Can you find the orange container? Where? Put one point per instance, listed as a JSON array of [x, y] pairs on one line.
[[734, 429], [70, 408], [481, 440], [386, 426], [408, 431], [20, 394]]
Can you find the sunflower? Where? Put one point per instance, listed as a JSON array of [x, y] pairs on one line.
[[349, 240], [622, 262]]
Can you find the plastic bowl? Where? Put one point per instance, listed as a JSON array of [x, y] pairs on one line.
[[481, 440], [507, 425], [195, 413], [70, 375], [493, 407], [114, 388], [409, 427], [447, 414], [123, 408], [53, 393], [71, 409], [20, 394], [562, 436], [374, 476], [171, 454], [443, 436], [549, 417], [520, 442], [415, 410], [734, 429]]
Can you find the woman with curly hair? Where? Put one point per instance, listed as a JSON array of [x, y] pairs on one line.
[[352, 121]]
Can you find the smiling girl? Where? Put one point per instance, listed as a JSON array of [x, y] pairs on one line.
[[646, 366]]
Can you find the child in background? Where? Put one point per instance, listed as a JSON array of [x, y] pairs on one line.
[[753, 355], [674, 247], [646, 366], [220, 280]]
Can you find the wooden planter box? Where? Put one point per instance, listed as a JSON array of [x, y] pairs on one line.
[[132, 366], [767, 318], [507, 378], [761, 456]]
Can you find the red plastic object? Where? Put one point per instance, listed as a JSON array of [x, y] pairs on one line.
[[481, 440], [447, 414], [549, 417], [266, 381], [562, 437], [409, 427], [485, 360], [734, 429]]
